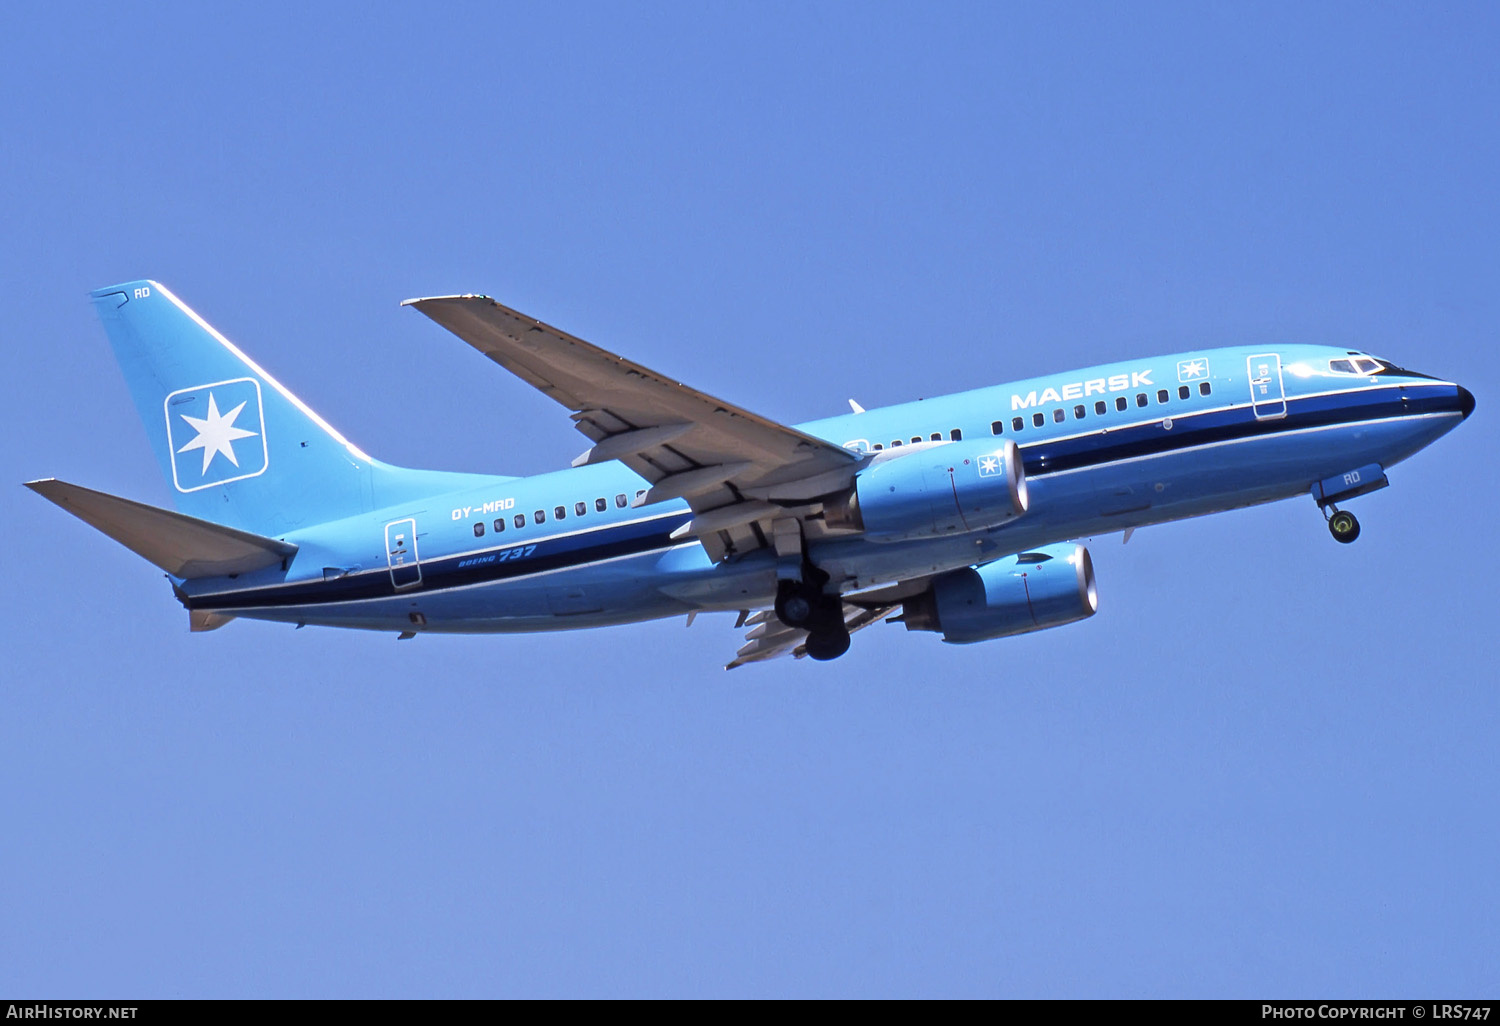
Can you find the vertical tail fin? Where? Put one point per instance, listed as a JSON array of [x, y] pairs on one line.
[[235, 445]]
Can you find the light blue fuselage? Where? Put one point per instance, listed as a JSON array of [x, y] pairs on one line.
[[1199, 442]]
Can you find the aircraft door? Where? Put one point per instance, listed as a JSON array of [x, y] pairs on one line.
[[1267, 392], [401, 553]]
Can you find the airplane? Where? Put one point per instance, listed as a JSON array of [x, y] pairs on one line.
[[956, 515]]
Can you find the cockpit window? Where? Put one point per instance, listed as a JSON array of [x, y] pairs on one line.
[[1362, 365], [1390, 368]]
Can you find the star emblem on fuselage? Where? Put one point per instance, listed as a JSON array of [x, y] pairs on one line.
[[216, 433], [1188, 370]]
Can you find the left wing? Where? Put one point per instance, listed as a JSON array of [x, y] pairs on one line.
[[769, 637], [737, 471]]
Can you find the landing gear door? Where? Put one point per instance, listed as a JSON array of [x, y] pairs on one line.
[[1267, 393], [401, 553]]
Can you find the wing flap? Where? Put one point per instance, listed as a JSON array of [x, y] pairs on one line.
[[183, 546]]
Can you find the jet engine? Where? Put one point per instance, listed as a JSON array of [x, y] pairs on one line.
[[932, 490], [1034, 590]]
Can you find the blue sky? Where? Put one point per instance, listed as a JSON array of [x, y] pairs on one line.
[[1265, 767]]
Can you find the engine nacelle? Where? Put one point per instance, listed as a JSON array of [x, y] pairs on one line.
[[1045, 588], [932, 490]]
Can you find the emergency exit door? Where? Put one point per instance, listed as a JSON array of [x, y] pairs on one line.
[[1267, 393], [401, 553]]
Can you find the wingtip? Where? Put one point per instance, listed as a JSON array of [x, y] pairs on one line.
[[433, 299]]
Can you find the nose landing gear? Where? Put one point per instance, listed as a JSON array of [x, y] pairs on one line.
[[1342, 525]]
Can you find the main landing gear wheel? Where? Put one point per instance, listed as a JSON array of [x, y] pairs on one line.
[[827, 644], [794, 604], [802, 605], [1343, 526]]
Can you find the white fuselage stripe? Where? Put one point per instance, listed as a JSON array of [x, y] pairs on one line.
[[456, 587]]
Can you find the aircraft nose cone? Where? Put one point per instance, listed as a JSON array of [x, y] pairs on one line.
[[1465, 401]]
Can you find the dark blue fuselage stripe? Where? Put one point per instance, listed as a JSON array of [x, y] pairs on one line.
[[1039, 458], [457, 571], [1194, 429]]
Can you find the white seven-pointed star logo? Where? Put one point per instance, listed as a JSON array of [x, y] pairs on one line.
[[1192, 369], [216, 433], [988, 465]]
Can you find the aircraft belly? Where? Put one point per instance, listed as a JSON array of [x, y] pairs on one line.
[[588, 597]]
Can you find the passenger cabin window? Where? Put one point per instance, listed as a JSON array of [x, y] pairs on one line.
[[958, 436], [1162, 395], [895, 442], [1121, 403], [878, 447], [1140, 399], [620, 501], [540, 516], [479, 529], [640, 493], [499, 525], [996, 427], [1204, 388], [580, 508], [915, 439], [1059, 415], [560, 512], [1016, 423], [1099, 408], [600, 505], [1183, 391], [1078, 412], [937, 436], [1038, 419], [520, 519]]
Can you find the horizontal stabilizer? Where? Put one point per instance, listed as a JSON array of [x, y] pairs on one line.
[[183, 546]]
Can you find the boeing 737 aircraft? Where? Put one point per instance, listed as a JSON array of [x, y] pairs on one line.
[[958, 512]]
